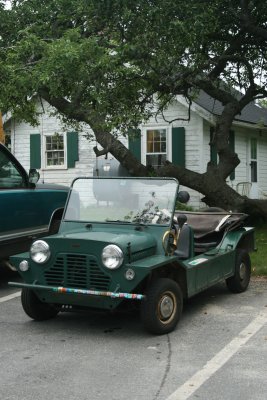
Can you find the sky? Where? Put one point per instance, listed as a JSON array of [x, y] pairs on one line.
[[8, 3]]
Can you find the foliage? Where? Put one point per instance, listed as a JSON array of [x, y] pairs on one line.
[[259, 258], [183, 207], [263, 103], [60, 48], [113, 64], [115, 56]]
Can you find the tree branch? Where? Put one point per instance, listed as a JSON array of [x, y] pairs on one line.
[[103, 152], [248, 24]]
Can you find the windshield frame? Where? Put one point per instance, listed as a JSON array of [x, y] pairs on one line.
[[149, 181]]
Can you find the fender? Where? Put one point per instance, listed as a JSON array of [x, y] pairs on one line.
[[55, 220], [242, 238]]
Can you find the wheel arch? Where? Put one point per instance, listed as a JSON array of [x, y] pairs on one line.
[[172, 271], [247, 242], [55, 220]]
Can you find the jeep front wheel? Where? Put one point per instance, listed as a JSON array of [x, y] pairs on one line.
[[162, 307], [35, 308]]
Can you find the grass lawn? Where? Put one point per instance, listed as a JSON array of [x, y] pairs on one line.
[[259, 257]]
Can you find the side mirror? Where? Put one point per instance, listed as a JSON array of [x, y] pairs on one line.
[[34, 176], [183, 197]]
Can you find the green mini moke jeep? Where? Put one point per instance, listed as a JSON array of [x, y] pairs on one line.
[[120, 241]]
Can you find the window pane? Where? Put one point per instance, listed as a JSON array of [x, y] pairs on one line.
[[157, 147], [150, 147], [150, 135], [54, 150], [156, 141], [254, 177], [163, 147], [253, 149], [157, 134], [10, 177], [155, 160], [48, 143]]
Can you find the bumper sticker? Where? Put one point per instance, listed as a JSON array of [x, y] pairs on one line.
[[131, 296]]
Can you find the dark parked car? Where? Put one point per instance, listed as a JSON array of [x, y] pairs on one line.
[[27, 210]]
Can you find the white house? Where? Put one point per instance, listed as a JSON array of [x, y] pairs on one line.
[[60, 154]]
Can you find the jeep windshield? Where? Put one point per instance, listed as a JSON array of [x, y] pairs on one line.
[[122, 200]]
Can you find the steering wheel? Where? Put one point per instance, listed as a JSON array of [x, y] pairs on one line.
[[169, 241]]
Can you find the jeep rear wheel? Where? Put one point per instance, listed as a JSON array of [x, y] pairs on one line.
[[35, 308], [162, 307], [240, 281]]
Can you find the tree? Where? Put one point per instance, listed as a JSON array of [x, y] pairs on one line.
[[105, 62]]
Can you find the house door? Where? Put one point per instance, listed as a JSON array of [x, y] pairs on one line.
[[253, 167]]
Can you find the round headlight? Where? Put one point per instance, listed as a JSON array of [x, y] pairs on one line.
[[112, 256], [40, 251]]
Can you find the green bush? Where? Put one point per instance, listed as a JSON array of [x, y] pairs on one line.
[[259, 257], [183, 207]]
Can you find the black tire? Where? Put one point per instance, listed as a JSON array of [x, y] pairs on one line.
[[35, 308], [162, 307], [240, 281]]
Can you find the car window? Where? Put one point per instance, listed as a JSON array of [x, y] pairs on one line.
[[10, 176]]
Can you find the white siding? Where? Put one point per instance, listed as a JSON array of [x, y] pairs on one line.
[[240, 149], [175, 116], [262, 165], [197, 149], [242, 138], [49, 124]]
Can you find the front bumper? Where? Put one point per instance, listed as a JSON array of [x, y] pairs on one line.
[[64, 290]]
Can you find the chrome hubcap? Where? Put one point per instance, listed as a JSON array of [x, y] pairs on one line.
[[166, 306]]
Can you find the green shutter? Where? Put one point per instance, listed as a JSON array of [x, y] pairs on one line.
[[134, 140], [213, 152], [72, 149], [35, 151], [178, 146], [232, 147]]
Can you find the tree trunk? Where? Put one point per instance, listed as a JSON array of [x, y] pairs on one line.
[[211, 184], [217, 193]]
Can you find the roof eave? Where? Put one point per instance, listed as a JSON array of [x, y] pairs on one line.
[[212, 118]]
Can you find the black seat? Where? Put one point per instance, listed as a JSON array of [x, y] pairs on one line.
[[185, 243], [208, 229]]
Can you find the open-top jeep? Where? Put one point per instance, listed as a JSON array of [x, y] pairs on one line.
[[120, 241]]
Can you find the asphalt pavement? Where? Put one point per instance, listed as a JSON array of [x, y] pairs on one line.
[[217, 352]]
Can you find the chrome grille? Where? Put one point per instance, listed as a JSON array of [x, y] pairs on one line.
[[98, 279], [55, 275], [77, 271]]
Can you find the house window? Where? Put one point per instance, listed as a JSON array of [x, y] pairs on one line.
[[156, 147], [253, 160], [55, 151]]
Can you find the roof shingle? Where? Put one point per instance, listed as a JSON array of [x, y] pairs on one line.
[[252, 113]]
